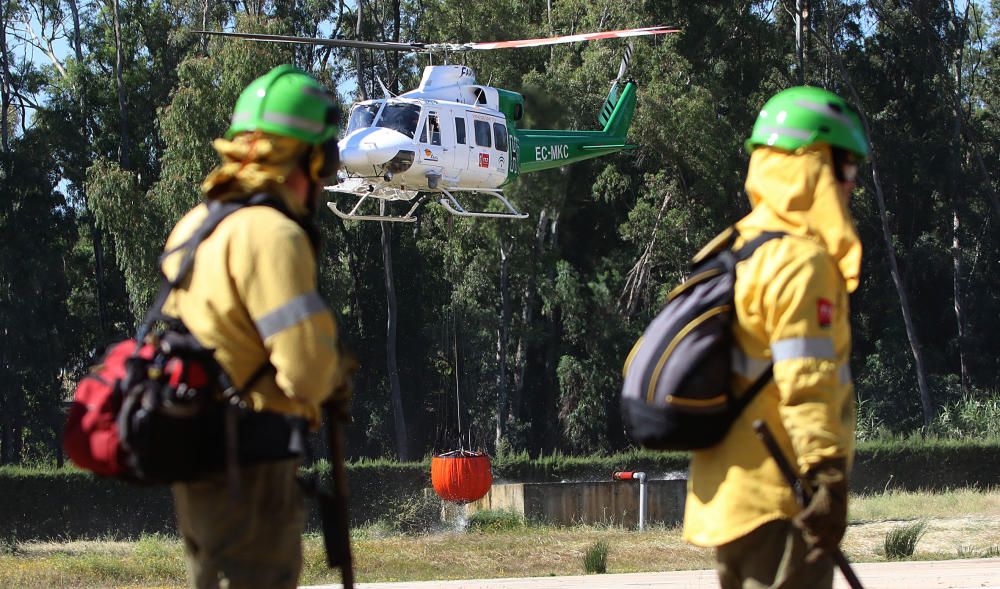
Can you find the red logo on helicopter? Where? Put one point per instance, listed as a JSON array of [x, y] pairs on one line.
[[484, 160]]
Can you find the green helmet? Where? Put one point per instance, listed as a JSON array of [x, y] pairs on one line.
[[286, 101], [804, 115]]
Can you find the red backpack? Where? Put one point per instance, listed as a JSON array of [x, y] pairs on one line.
[[91, 433], [158, 413]]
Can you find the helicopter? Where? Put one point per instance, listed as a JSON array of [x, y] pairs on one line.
[[451, 136]]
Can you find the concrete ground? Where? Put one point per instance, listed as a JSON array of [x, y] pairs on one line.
[[945, 574]]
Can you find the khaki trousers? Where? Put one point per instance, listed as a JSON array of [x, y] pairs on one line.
[[246, 544], [771, 557]]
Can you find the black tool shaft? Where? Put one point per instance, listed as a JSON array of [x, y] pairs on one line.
[[803, 493], [333, 505]]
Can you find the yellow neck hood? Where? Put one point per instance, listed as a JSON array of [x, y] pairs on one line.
[[254, 163], [797, 192]]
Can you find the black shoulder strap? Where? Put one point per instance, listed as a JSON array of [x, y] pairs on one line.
[[217, 211], [751, 246], [739, 404]]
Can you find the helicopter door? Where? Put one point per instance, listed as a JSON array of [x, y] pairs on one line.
[[436, 141], [501, 145], [487, 160]]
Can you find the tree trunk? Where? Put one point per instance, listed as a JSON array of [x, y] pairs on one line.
[[394, 55], [956, 260], [503, 330], [205, 10], [4, 440], [800, 54], [123, 127], [904, 301], [396, 397], [5, 86], [916, 349], [96, 237], [638, 276], [527, 321], [957, 196], [359, 62]]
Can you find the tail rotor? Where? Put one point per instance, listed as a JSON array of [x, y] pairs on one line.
[[626, 59]]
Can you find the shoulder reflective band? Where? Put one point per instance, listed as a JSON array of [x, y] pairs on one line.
[[289, 314], [803, 347]]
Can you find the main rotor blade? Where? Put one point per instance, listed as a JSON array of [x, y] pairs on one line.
[[567, 38], [383, 45]]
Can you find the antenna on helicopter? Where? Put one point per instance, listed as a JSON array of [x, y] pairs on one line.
[[385, 91]]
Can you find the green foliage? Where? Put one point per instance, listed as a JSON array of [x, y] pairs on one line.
[[970, 418], [94, 177], [489, 520], [595, 561], [901, 541]]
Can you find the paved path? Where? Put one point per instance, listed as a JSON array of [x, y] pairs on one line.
[[943, 574]]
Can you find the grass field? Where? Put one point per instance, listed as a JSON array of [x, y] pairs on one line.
[[960, 524]]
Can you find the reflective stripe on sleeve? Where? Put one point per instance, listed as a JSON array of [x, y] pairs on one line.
[[746, 366], [820, 348], [289, 314]]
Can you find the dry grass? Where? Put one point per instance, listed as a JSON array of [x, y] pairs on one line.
[[895, 504], [961, 524]]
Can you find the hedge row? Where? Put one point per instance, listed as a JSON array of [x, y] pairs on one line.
[[67, 503]]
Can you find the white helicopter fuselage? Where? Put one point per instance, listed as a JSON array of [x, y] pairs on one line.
[[447, 133]]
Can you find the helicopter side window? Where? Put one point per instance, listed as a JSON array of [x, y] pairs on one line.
[[435, 127], [400, 117], [362, 116], [460, 130], [500, 132], [482, 129]]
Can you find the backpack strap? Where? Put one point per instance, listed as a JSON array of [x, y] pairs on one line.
[[751, 246], [217, 211], [738, 404]]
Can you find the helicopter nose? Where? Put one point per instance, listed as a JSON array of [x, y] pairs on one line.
[[371, 147]]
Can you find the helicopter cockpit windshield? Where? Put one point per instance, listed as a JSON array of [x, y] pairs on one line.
[[400, 116], [363, 115]]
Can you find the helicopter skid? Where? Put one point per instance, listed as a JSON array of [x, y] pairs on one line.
[[352, 215], [363, 188], [450, 203]]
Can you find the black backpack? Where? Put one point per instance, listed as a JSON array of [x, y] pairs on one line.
[[677, 392]]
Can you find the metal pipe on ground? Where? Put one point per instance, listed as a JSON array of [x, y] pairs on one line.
[[641, 477]]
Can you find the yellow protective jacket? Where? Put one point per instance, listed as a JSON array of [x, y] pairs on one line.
[[792, 309], [252, 297]]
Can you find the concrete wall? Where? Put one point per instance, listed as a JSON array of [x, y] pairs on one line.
[[603, 502]]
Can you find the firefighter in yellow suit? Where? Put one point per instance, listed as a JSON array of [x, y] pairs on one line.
[[791, 300], [252, 297]]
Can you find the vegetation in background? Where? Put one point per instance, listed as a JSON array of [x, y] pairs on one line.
[[969, 530], [104, 139]]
